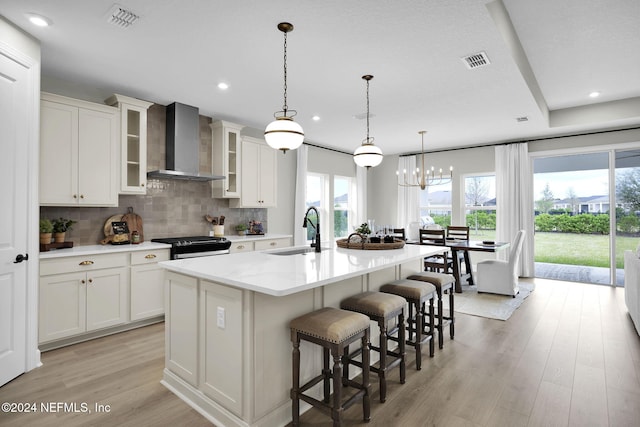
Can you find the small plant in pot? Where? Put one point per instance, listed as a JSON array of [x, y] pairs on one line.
[[364, 230], [241, 229], [46, 230], [60, 228]]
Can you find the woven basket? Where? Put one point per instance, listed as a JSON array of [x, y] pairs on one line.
[[348, 243]]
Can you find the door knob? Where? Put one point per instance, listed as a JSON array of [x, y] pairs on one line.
[[20, 258]]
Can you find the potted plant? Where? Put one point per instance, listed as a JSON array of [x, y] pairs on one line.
[[241, 229], [46, 229], [60, 228]]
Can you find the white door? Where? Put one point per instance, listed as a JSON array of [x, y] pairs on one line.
[[14, 96]]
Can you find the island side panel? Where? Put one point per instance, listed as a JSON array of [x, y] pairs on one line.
[[181, 327], [221, 338]]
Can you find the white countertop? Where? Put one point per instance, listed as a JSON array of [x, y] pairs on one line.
[[101, 249], [280, 275], [251, 238]]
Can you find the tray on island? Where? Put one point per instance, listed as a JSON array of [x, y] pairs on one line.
[[358, 241]]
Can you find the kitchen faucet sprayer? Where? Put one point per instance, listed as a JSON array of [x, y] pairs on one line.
[[316, 227]]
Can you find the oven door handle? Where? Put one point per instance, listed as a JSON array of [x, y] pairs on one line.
[[201, 254]]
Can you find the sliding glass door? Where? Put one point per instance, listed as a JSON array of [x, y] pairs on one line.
[[587, 213], [572, 218]]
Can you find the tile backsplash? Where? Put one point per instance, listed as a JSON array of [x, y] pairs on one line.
[[171, 208]]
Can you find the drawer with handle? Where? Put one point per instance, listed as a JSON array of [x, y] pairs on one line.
[[82, 263], [262, 245], [149, 257]]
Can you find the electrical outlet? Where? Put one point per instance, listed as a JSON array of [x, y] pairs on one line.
[[220, 318]]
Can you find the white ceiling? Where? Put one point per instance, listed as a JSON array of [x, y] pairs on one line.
[[546, 57]]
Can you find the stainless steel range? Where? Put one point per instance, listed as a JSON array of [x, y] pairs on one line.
[[196, 246]]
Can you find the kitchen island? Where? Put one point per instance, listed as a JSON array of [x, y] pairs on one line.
[[228, 349]]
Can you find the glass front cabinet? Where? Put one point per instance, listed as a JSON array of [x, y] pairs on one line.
[[133, 143]]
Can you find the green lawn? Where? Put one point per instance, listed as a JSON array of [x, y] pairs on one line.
[[573, 249]]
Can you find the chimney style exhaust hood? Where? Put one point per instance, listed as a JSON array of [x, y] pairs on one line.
[[183, 146]]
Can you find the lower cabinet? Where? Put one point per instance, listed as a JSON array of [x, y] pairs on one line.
[[74, 303], [82, 295], [147, 284]]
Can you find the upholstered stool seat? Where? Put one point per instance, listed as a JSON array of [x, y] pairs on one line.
[[419, 329], [443, 283], [382, 308], [333, 329]]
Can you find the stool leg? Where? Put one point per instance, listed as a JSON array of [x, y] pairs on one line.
[[452, 322], [295, 391], [419, 328], [336, 410], [440, 337], [382, 324], [326, 374], [431, 328], [401, 347], [345, 367], [366, 383]]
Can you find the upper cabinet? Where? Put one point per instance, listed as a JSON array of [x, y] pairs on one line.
[[78, 152], [133, 143], [225, 158], [259, 175]]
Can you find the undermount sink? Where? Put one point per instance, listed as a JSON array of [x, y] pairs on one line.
[[296, 251]]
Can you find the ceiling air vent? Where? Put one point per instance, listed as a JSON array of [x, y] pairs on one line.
[[121, 17], [476, 60]]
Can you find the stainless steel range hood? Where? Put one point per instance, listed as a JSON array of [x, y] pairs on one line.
[[183, 146]]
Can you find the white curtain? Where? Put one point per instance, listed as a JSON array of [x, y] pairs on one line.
[[361, 196], [514, 193], [408, 197], [299, 233]]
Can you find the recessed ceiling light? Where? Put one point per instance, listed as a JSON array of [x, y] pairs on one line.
[[594, 94], [315, 118], [522, 119], [223, 86], [38, 20]]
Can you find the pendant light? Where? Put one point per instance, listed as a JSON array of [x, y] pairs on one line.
[[367, 155], [424, 177], [283, 133]]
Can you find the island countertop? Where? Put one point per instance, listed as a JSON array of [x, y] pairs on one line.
[[280, 275]]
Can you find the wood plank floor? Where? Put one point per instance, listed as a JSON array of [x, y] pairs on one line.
[[569, 356]]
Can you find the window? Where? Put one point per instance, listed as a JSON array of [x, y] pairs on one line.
[[435, 205], [480, 204], [336, 215]]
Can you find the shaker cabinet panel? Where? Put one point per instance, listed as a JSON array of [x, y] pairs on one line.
[[78, 164], [225, 158], [259, 175]]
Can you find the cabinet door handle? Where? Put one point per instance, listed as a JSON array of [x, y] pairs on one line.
[[142, 185], [150, 256], [86, 263], [241, 247], [82, 196], [75, 196], [273, 243], [90, 280], [82, 281], [20, 258]]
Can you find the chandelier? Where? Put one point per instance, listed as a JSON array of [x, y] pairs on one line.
[[283, 133], [367, 155], [423, 177]]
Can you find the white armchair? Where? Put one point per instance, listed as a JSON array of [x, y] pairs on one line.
[[501, 277]]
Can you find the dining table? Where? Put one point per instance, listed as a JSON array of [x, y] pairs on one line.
[[465, 246]]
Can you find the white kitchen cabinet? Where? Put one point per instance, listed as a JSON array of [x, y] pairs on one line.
[[259, 244], [133, 143], [259, 175], [225, 159], [82, 294], [78, 152], [147, 284]]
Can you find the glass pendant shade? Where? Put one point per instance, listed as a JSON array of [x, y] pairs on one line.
[[367, 156], [284, 134]]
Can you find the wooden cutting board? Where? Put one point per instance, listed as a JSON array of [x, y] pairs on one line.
[[134, 223]]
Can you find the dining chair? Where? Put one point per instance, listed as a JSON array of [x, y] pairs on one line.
[[398, 233], [437, 263], [498, 276], [459, 232]]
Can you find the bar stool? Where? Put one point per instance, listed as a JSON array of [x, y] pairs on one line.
[[382, 308], [417, 294], [443, 283], [333, 329]]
